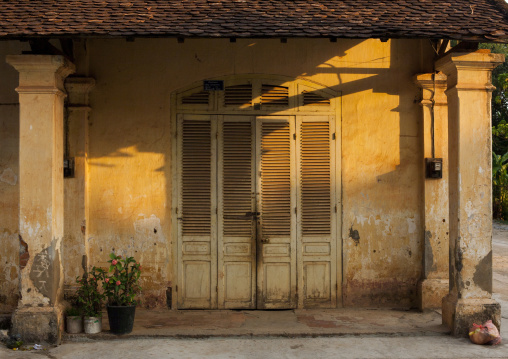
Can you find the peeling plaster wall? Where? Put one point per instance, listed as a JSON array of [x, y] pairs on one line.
[[129, 155], [381, 156], [9, 179]]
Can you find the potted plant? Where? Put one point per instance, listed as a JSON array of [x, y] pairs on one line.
[[90, 300], [74, 320], [120, 287]]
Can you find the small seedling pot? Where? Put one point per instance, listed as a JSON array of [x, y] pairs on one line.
[[93, 325], [74, 324]]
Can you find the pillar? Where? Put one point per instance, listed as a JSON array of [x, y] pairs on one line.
[[39, 316], [434, 283], [469, 92], [75, 245]]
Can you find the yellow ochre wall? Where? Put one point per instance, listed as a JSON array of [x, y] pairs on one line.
[[129, 159], [9, 178]]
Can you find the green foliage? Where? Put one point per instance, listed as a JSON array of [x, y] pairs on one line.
[[500, 137], [499, 134], [500, 81], [500, 185], [90, 297], [121, 282], [73, 312], [14, 344]]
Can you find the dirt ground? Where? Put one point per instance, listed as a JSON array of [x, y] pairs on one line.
[[500, 265]]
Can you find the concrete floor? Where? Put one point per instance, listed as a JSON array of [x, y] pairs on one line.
[[284, 323], [288, 334]]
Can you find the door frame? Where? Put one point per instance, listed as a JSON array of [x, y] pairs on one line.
[[297, 85]]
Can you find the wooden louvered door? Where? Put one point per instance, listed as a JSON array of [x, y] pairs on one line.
[[276, 202], [236, 213], [197, 229], [316, 230], [256, 212]]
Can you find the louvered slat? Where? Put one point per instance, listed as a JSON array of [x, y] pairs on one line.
[[311, 98], [199, 98], [196, 180], [315, 178], [276, 179], [239, 95], [274, 95], [237, 178]]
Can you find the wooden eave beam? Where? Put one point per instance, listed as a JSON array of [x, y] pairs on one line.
[[463, 46]]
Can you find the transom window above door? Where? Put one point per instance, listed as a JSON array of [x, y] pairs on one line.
[[257, 95]]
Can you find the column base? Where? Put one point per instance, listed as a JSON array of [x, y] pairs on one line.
[[460, 314], [39, 324], [431, 293]]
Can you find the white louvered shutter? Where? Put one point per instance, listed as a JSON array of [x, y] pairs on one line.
[[237, 245], [316, 212], [276, 201], [197, 203]]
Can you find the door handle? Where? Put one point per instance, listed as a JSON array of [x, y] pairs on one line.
[[246, 216], [253, 215], [265, 240]]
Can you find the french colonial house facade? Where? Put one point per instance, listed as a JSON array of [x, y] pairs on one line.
[[251, 155]]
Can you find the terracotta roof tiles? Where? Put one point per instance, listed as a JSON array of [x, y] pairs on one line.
[[482, 20]]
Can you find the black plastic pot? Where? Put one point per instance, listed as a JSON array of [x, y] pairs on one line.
[[121, 318]]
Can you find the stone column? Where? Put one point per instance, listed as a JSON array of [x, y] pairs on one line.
[[39, 314], [469, 94], [434, 284], [75, 245]]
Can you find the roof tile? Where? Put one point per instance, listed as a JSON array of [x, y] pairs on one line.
[[459, 19]]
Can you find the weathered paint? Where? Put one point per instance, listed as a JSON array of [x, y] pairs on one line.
[[41, 209], [434, 284], [483, 274], [128, 157], [469, 96], [380, 145], [43, 275], [75, 247], [9, 180], [130, 150]]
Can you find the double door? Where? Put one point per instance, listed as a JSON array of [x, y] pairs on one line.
[[256, 212]]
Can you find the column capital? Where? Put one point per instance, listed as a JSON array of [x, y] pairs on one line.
[[433, 86], [470, 71], [77, 90], [430, 80], [480, 60], [41, 73]]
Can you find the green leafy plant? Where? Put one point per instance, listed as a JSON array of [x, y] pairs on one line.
[[73, 312], [500, 185], [89, 296], [499, 133], [121, 282]]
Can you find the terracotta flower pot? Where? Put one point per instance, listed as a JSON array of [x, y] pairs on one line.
[[121, 318]]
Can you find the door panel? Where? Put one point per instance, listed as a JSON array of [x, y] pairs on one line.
[[316, 214], [197, 237], [257, 216], [237, 257], [276, 199]]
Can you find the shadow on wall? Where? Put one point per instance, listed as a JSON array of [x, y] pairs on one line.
[[381, 150], [10, 247], [130, 148]]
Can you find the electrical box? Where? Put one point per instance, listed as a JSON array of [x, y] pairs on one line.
[[68, 167], [434, 168]]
